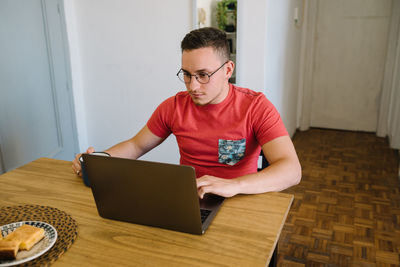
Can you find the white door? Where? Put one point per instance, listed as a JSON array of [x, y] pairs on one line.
[[348, 63], [36, 112]]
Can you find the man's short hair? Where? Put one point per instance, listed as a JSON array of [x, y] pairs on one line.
[[207, 37]]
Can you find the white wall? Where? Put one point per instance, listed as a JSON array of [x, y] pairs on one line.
[[125, 54], [283, 44], [269, 53], [251, 45]]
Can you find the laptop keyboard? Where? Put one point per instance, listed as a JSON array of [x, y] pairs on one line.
[[204, 214]]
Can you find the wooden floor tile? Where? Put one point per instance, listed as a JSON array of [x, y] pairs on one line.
[[346, 210]]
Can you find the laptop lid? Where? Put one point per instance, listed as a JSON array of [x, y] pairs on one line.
[[149, 193]]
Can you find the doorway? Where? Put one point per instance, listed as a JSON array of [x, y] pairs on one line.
[[346, 45], [220, 14], [36, 108]]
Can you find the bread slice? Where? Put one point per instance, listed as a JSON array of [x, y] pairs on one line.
[[8, 249], [26, 235]]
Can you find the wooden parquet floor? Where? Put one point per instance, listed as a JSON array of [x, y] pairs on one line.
[[346, 210]]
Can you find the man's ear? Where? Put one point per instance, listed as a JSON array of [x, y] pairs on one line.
[[230, 66]]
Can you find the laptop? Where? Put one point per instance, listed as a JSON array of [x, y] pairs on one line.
[[150, 193]]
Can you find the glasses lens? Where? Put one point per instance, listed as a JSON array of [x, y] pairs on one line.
[[202, 77], [184, 77]]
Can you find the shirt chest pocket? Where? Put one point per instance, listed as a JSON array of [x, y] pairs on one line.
[[231, 152]]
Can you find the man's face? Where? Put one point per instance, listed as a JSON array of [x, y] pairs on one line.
[[206, 60]]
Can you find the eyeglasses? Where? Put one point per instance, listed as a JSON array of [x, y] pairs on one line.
[[202, 77]]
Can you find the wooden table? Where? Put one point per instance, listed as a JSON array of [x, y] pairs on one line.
[[244, 232]]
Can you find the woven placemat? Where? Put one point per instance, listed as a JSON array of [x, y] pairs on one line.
[[67, 228]]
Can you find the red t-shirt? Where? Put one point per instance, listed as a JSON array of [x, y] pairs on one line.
[[222, 139]]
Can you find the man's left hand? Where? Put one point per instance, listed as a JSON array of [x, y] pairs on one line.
[[217, 186]]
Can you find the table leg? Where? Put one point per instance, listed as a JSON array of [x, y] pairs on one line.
[[274, 258]]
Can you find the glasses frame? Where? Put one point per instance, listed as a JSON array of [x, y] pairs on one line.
[[195, 75]]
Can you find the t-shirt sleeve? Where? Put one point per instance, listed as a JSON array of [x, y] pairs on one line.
[[160, 121], [267, 122]]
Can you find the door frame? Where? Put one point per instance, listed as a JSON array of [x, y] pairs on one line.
[[60, 76], [64, 81], [307, 64], [390, 74]]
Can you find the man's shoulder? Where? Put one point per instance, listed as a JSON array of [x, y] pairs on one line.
[[247, 94], [178, 97], [182, 95]]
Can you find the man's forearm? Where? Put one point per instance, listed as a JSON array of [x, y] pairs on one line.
[[126, 149], [278, 176], [137, 146]]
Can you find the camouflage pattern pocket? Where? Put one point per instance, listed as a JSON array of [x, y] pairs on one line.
[[231, 151]]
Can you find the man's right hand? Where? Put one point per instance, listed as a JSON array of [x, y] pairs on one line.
[[132, 148], [76, 164]]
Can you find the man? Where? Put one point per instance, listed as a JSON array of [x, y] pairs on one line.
[[220, 128]]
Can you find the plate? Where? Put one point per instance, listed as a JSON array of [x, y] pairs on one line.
[[50, 237]]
